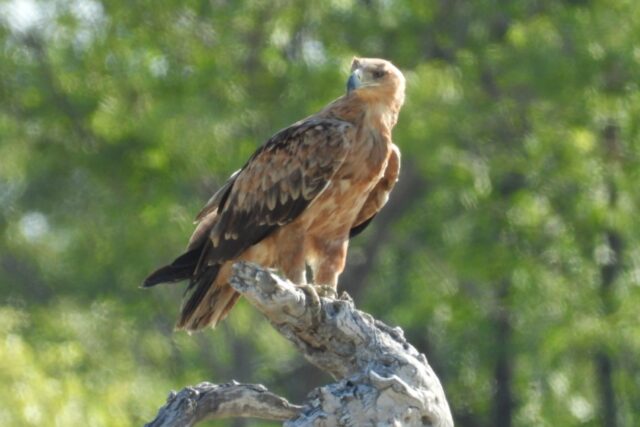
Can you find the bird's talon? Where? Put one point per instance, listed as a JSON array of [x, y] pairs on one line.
[[313, 299], [327, 291]]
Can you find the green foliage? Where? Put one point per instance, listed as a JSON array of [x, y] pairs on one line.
[[52, 367], [516, 251]]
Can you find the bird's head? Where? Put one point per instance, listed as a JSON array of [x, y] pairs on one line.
[[376, 81]]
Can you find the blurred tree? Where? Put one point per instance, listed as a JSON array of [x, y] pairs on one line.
[[510, 254]]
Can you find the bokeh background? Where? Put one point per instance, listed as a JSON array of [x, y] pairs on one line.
[[509, 252]]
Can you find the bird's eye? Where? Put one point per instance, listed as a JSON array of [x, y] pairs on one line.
[[377, 74]]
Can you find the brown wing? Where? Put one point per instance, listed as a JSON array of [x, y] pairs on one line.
[[278, 182], [218, 198], [208, 215], [379, 195]]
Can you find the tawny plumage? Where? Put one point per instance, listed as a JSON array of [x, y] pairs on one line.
[[298, 199]]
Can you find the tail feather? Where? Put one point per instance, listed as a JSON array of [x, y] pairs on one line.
[[180, 269], [208, 298], [200, 286], [209, 302]]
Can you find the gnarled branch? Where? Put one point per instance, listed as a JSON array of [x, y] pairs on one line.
[[382, 379], [207, 401]]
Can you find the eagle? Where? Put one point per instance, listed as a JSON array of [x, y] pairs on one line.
[[298, 199]]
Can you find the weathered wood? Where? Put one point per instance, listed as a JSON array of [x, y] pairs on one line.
[[381, 378], [207, 401]]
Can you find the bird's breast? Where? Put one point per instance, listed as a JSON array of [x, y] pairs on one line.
[[333, 212]]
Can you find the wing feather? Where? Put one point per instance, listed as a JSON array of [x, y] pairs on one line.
[[218, 199], [379, 195], [275, 186]]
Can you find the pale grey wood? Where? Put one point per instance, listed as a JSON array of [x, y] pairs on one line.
[[381, 379], [207, 401]]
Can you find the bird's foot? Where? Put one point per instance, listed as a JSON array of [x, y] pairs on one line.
[[313, 299], [327, 291]]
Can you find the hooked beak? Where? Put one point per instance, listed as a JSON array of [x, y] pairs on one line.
[[354, 81]]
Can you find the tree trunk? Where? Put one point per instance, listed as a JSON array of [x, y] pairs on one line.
[[503, 368]]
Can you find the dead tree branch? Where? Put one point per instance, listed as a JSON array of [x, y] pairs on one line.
[[381, 378], [206, 401]]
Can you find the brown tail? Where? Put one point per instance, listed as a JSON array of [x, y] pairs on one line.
[[210, 300]]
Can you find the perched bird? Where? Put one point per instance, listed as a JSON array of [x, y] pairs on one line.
[[298, 199]]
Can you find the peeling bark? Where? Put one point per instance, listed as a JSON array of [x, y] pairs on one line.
[[381, 378]]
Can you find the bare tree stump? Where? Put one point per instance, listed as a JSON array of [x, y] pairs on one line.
[[382, 380]]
